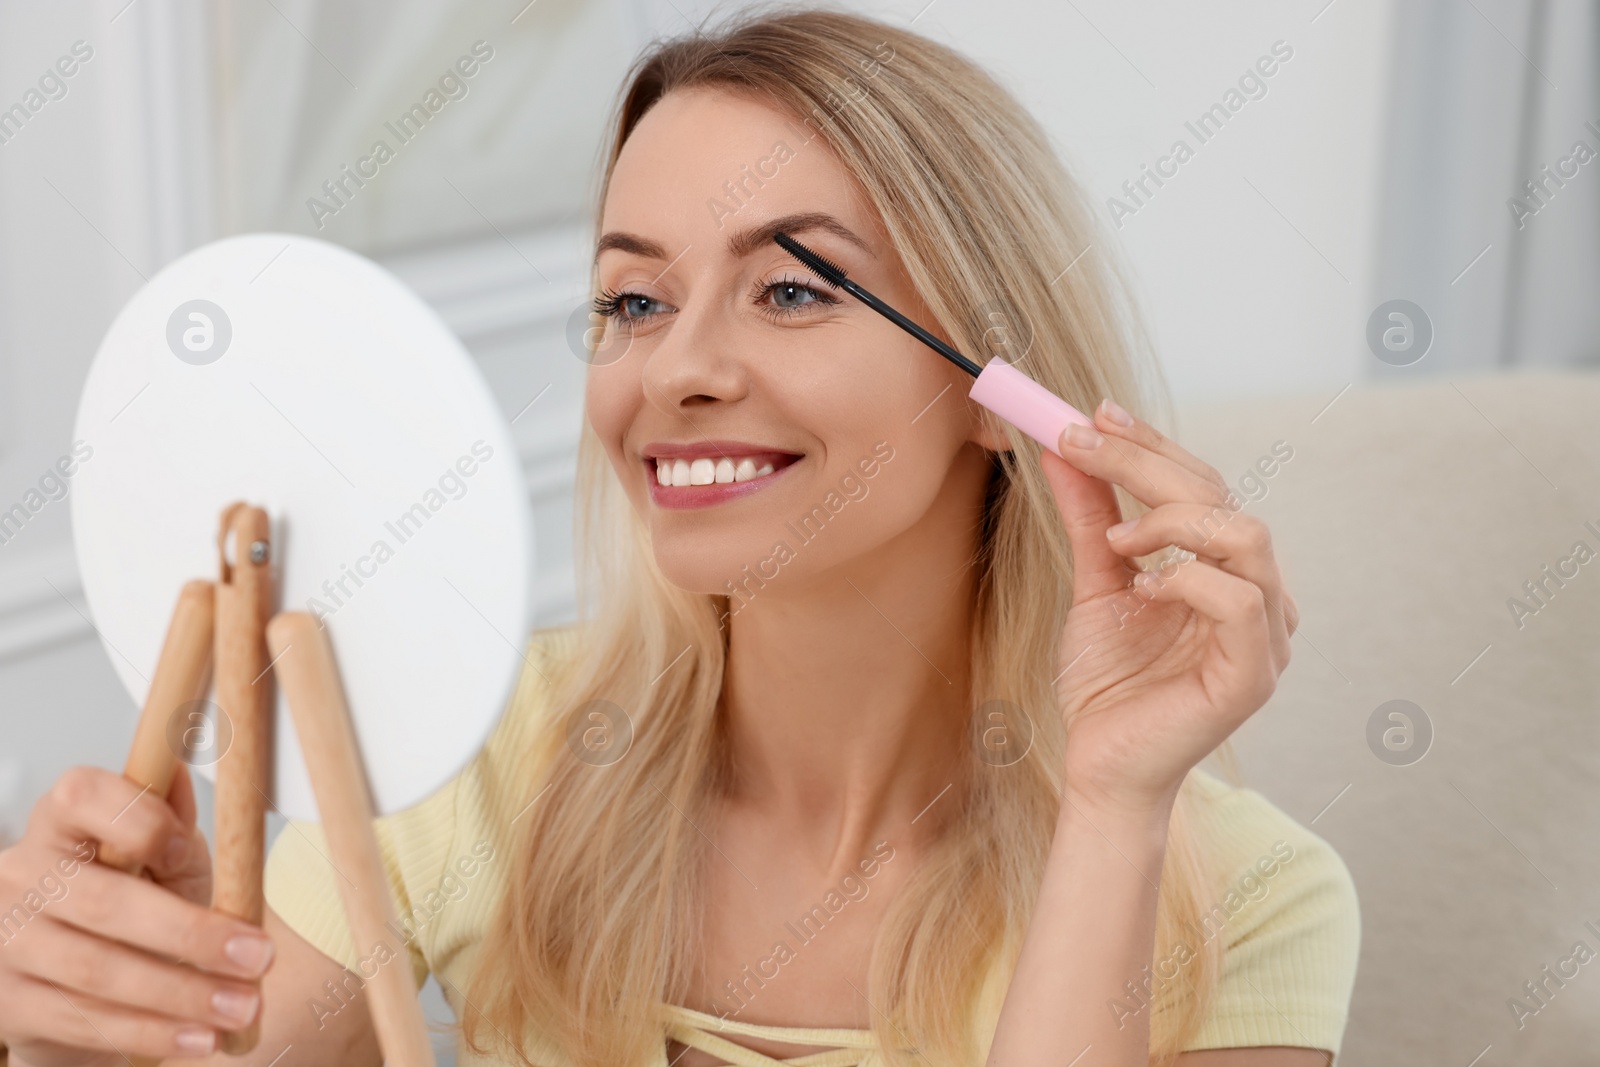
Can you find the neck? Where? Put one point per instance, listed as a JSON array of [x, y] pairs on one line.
[[847, 699]]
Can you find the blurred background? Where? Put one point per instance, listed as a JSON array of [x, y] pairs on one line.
[[1440, 153]]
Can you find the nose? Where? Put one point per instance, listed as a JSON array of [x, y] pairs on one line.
[[694, 365]]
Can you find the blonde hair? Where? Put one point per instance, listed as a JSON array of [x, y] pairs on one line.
[[606, 899]]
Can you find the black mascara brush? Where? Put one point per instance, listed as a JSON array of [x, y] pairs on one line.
[[1000, 387]]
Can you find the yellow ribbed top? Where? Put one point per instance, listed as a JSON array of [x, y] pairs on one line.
[[1284, 903]]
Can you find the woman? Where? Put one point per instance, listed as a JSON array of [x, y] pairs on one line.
[[873, 737]]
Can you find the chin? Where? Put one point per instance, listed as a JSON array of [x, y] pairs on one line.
[[742, 566], [697, 564]]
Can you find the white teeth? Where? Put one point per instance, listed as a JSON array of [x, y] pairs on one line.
[[707, 471]]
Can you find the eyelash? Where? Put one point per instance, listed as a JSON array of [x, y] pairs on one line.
[[609, 303]]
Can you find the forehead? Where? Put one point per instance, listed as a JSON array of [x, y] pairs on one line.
[[711, 161]]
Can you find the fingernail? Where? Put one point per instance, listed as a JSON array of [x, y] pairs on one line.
[[177, 849], [1080, 435], [250, 952], [234, 1005], [196, 1039], [1122, 529], [1115, 412]]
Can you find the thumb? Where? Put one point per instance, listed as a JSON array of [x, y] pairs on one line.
[[1088, 507]]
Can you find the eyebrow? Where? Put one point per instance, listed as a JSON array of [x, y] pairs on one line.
[[742, 242]]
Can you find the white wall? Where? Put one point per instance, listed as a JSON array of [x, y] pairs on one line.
[[1254, 261]]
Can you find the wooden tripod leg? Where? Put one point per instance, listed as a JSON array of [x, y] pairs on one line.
[[303, 659], [182, 674], [243, 686]]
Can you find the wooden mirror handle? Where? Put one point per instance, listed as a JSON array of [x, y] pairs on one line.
[[243, 698]]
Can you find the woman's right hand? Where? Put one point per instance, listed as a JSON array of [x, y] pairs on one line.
[[96, 964]]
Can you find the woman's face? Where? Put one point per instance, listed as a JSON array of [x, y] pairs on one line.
[[740, 360]]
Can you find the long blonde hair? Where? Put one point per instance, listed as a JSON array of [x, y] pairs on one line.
[[605, 900]]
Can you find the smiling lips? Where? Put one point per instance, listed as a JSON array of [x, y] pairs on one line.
[[710, 472]]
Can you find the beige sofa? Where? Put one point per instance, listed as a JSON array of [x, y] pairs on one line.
[[1406, 519]]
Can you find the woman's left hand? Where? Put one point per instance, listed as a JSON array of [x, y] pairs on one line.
[[1154, 677]]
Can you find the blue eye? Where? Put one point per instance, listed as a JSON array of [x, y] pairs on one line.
[[612, 304], [629, 309], [790, 287]]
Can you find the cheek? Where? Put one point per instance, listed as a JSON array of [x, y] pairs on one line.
[[610, 400], [909, 411], [868, 386], [880, 476]]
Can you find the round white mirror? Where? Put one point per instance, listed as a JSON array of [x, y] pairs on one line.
[[302, 378]]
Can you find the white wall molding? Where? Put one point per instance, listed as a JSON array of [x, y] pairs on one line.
[[41, 601]]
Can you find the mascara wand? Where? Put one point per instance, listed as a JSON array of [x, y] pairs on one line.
[[1000, 387]]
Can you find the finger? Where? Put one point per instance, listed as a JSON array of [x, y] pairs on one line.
[[1279, 603], [112, 904], [81, 1020], [1239, 544], [1113, 419], [1151, 477], [1237, 670], [79, 961], [94, 804], [1108, 416], [194, 881], [1088, 506]]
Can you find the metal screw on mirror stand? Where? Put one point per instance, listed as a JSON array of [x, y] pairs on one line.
[[260, 551]]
